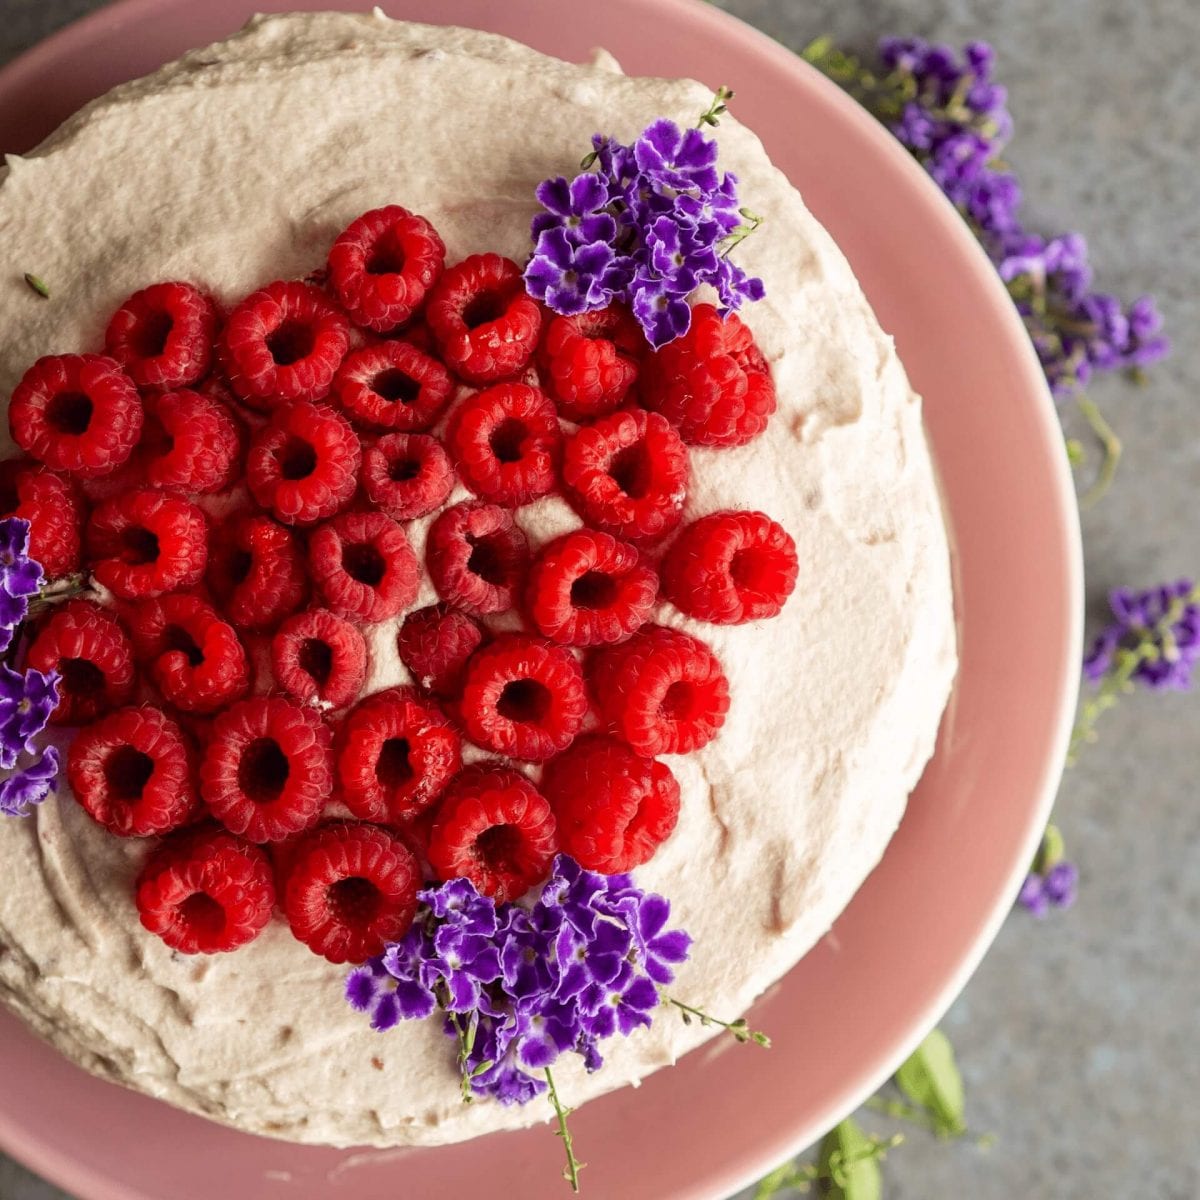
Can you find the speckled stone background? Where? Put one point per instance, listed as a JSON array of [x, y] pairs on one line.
[[1076, 1035]]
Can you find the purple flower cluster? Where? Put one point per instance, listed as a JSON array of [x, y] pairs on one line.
[[1156, 631], [521, 986], [649, 225], [1055, 888]]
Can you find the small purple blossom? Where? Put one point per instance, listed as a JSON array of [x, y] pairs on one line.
[[1154, 637], [1057, 888], [20, 576], [22, 789], [26, 702]]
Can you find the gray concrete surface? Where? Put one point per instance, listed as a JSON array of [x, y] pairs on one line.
[[1075, 1035]]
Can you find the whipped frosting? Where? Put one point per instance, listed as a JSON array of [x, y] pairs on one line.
[[239, 164]]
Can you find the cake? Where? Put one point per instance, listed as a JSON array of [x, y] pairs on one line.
[[240, 164]]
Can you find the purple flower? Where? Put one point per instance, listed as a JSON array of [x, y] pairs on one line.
[[572, 277], [29, 786], [663, 315], [1057, 888], [1155, 637], [677, 160], [569, 205], [20, 576], [26, 702]]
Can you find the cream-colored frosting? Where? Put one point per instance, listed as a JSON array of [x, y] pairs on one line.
[[238, 165]]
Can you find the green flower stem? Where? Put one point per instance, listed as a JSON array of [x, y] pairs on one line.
[[465, 1038], [717, 109], [903, 1112], [574, 1166], [738, 1028], [1112, 450]]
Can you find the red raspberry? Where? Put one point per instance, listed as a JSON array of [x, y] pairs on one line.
[[395, 755], [496, 829], [206, 891], [86, 645], [190, 441], [303, 463], [363, 567], [268, 769], [613, 808], [133, 772], [319, 658], [713, 384], [163, 335], [730, 568], [76, 412], [257, 572], [476, 555], [392, 386], [383, 264], [627, 474], [523, 697], [506, 443], [434, 644], [350, 890], [590, 362], [283, 343], [485, 323], [194, 658], [663, 691], [53, 508], [145, 543], [408, 475]]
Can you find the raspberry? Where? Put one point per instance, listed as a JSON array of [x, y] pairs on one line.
[[383, 264], [506, 443], [523, 697], [283, 343], [268, 769], [350, 890], [713, 384], [76, 412], [590, 362], [194, 658], [588, 589], [206, 891], [392, 386], [303, 464], [476, 555], [662, 692], [395, 755], [190, 441], [627, 474], [613, 808], [132, 771], [90, 651], [496, 829], [319, 658], [145, 543], [163, 335], [257, 572], [484, 321], [434, 644], [731, 567], [53, 508], [363, 567], [408, 475]]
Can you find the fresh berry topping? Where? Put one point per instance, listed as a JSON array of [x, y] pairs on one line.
[[590, 362], [663, 691], [350, 890], [283, 343], [257, 572], [145, 543], [731, 567], [194, 658], [627, 474], [76, 412], [132, 771], [88, 648], [506, 443], [434, 644], [205, 892], [190, 441], [268, 768], [496, 829], [713, 384], [484, 321], [363, 567], [382, 266], [395, 755], [613, 807], [392, 386], [303, 463], [523, 697], [319, 658], [163, 335], [477, 555], [408, 475], [53, 508]]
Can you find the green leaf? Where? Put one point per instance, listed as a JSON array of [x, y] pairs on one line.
[[930, 1079], [849, 1164]]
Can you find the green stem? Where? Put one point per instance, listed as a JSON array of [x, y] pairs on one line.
[[574, 1166], [1111, 687], [903, 1112], [464, 1049], [739, 1028], [1112, 450]]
